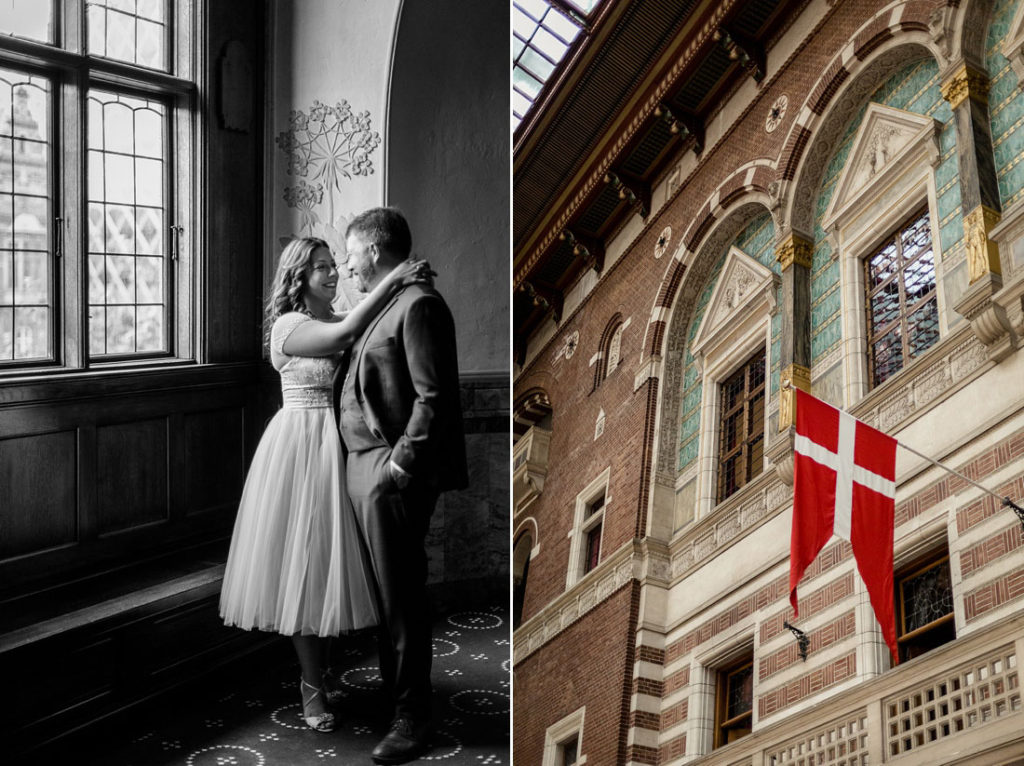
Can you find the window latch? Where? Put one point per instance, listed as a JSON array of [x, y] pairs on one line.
[[176, 232], [58, 237]]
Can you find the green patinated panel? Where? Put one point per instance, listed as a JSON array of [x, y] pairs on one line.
[[1006, 107], [826, 338], [757, 239], [825, 280], [914, 88]]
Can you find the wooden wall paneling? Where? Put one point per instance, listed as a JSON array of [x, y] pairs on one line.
[[38, 504], [87, 487], [215, 460], [176, 465], [184, 636], [132, 474]]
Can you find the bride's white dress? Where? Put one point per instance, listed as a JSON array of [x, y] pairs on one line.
[[297, 564]]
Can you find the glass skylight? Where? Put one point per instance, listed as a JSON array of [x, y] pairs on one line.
[[542, 33]]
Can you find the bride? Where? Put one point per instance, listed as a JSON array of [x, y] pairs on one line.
[[296, 565]]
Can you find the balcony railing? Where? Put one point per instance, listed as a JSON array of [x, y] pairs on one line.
[[530, 466]]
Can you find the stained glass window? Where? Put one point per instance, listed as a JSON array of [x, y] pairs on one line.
[[129, 30], [127, 246], [741, 430], [26, 284], [924, 600], [903, 310], [734, 701]]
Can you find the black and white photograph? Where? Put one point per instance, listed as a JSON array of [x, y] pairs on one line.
[[254, 382]]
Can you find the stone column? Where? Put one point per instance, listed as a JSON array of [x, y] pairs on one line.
[[965, 87], [793, 252]]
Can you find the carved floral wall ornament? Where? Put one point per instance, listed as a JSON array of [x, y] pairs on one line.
[[323, 147], [776, 113], [569, 345], [663, 242]]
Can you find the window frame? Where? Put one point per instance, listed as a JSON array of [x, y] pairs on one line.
[[72, 74], [895, 235], [909, 642], [744, 407], [722, 676], [584, 523], [561, 733]]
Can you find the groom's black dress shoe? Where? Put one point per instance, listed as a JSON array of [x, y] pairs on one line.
[[406, 741]]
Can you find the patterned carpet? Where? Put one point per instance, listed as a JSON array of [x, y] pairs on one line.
[[259, 723]]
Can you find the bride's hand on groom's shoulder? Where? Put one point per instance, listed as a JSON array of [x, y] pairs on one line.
[[414, 271]]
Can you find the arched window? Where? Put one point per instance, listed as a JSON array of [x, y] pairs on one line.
[[609, 355], [521, 553]]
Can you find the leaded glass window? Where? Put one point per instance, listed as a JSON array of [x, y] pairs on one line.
[[28, 19], [127, 210], [110, 280], [735, 701], [129, 30], [741, 429], [26, 203], [902, 305], [924, 593]]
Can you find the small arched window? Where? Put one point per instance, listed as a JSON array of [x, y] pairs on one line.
[[609, 354], [520, 571]]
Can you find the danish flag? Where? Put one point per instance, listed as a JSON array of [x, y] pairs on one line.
[[844, 484]]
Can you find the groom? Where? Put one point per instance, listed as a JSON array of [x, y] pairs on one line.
[[401, 422]]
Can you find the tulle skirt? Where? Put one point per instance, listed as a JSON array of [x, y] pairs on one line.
[[297, 563]]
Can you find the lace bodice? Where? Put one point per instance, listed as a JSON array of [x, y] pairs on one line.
[[306, 381]]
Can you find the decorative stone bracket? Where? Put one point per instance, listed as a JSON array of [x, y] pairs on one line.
[[780, 453], [996, 322]]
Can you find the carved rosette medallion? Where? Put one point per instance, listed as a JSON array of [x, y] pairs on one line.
[[663, 242], [570, 344], [776, 113]]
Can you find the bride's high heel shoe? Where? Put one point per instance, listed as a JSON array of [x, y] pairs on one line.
[[321, 722]]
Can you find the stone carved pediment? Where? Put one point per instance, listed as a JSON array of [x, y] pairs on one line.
[[889, 142], [744, 287]]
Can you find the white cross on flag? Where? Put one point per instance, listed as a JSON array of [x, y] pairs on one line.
[[844, 484]]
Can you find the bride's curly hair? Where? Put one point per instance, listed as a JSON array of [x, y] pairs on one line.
[[290, 280]]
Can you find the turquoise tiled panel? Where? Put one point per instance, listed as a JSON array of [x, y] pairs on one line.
[[756, 239], [690, 373], [824, 280], [951, 233], [691, 400], [949, 202], [1006, 107], [827, 308], [825, 338], [691, 424], [946, 172], [688, 453], [915, 88]]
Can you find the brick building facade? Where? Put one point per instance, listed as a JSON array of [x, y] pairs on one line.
[[842, 211]]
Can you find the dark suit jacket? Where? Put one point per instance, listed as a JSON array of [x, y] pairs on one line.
[[407, 382]]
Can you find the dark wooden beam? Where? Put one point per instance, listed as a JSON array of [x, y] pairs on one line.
[[635, 191], [746, 50], [591, 249], [545, 296]]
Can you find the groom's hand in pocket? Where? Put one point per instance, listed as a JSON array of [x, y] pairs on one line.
[[398, 477]]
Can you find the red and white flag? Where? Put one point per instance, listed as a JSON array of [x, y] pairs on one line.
[[844, 484]]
